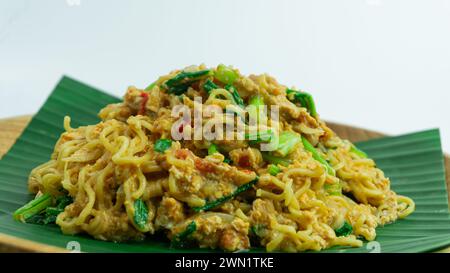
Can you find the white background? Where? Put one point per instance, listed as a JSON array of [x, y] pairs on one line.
[[378, 64]]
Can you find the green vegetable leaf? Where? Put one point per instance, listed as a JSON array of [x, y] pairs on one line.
[[223, 199], [258, 230], [227, 160], [181, 240], [48, 214], [258, 137], [256, 112], [150, 87], [333, 189], [53, 211], [212, 149], [358, 152], [286, 143], [275, 159], [308, 146], [235, 94], [209, 86], [140, 213], [273, 170], [161, 145], [179, 89], [33, 207], [225, 74], [63, 201], [305, 100], [181, 82], [345, 230], [257, 100]]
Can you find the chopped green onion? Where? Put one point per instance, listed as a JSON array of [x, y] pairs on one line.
[[161, 145], [212, 149], [258, 137], [308, 146], [180, 240], [140, 213], [305, 100], [286, 143], [273, 170], [33, 207], [225, 74], [236, 97], [181, 82], [358, 152], [275, 159], [333, 189], [209, 86], [345, 230], [223, 199]]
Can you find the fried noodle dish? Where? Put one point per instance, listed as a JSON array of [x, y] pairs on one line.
[[128, 177]]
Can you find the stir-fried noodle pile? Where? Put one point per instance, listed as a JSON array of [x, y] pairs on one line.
[[128, 176]]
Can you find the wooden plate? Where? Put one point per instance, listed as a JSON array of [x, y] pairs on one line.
[[10, 130]]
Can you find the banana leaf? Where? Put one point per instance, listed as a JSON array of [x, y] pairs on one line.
[[414, 162]]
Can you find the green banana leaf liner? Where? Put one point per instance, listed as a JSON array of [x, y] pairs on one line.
[[414, 162]]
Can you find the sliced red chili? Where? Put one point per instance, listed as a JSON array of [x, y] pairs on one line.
[[244, 161], [144, 96]]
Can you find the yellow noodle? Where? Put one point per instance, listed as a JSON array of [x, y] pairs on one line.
[[114, 168]]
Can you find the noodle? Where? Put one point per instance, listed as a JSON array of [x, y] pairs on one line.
[[124, 186]]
